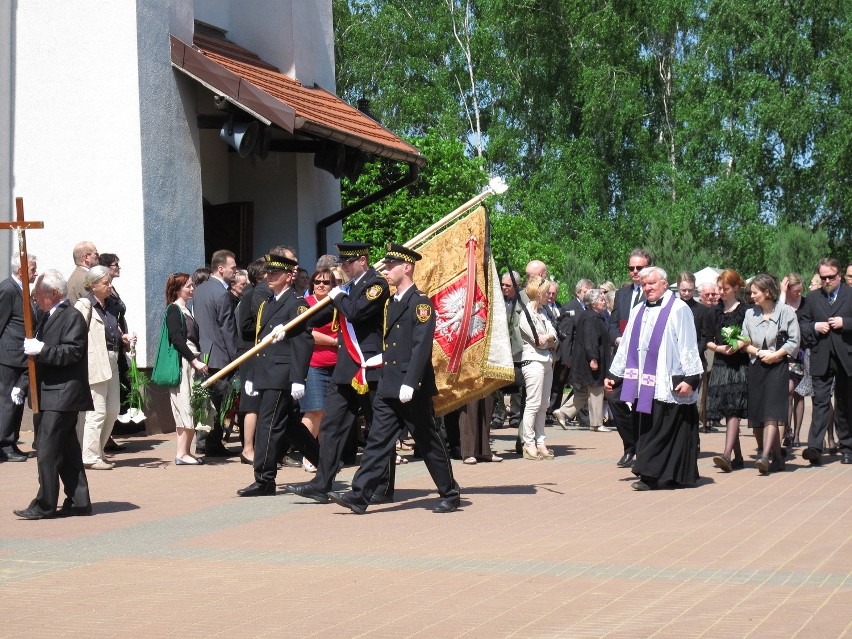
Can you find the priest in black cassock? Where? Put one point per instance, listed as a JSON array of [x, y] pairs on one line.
[[659, 362]]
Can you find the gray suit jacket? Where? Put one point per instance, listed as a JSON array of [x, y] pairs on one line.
[[76, 290], [217, 327]]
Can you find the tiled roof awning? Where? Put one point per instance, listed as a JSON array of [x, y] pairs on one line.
[[262, 90]]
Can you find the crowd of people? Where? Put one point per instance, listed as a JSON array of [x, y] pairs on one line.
[[656, 360]]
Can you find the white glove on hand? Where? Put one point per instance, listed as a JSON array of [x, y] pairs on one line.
[[250, 389], [32, 346], [17, 396], [333, 293], [405, 393], [277, 333], [297, 391]]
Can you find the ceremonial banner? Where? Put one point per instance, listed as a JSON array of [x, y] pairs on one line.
[[471, 352]]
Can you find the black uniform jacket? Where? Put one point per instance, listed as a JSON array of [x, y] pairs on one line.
[[62, 366], [279, 365], [363, 307], [407, 358]]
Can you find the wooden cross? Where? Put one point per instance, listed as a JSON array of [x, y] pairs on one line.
[[20, 226]]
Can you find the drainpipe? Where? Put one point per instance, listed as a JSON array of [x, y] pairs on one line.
[[342, 214]]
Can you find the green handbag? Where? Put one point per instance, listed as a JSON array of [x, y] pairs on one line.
[[167, 361]]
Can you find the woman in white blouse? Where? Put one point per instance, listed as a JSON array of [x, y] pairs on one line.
[[539, 342]]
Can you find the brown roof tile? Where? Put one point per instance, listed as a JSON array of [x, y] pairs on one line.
[[247, 79]]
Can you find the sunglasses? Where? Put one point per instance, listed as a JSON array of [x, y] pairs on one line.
[[633, 269], [323, 282], [828, 278]]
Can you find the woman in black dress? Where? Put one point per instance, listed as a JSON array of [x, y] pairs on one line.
[[727, 392], [773, 333]]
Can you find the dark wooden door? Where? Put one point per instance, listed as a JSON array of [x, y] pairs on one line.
[[230, 226]]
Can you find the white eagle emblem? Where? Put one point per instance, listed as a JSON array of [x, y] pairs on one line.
[[450, 310]]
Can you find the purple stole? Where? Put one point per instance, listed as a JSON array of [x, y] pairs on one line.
[[649, 373]]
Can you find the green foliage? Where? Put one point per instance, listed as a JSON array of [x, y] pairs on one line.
[[709, 132]]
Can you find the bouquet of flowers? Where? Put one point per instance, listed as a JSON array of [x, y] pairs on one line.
[[200, 404], [138, 385], [733, 336]]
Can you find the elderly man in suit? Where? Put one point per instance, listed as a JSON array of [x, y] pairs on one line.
[[13, 362], [280, 372], [626, 298], [59, 348], [405, 391], [826, 323], [213, 308], [85, 257]]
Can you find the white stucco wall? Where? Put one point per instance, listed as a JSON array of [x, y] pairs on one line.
[[8, 240], [75, 134]]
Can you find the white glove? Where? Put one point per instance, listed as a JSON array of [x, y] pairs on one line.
[[405, 393], [17, 396], [250, 389], [333, 293], [32, 346], [277, 333], [297, 391]]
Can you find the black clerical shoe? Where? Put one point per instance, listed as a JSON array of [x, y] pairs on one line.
[[379, 498], [345, 500], [289, 462], [9, 454], [33, 513], [447, 505], [256, 490], [307, 491], [812, 455], [74, 511], [846, 459], [626, 460], [640, 486]]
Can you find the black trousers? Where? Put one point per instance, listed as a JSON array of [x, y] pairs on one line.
[[10, 413], [390, 416], [339, 425], [279, 421], [60, 457], [822, 407], [626, 422]]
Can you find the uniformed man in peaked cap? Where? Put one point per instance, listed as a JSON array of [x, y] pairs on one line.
[[280, 373], [405, 391], [360, 305]]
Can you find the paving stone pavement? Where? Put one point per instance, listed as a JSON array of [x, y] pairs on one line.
[[560, 548]]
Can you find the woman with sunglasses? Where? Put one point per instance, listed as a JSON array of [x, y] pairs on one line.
[[324, 326]]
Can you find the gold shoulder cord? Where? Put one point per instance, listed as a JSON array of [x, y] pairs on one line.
[[257, 326], [385, 325]]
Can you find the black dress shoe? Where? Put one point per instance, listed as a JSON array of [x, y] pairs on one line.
[[447, 505], [846, 459], [345, 500], [812, 455], [246, 460], [626, 460], [640, 485], [289, 462], [379, 498], [256, 490], [112, 447], [33, 513], [74, 511], [11, 455], [307, 491]]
